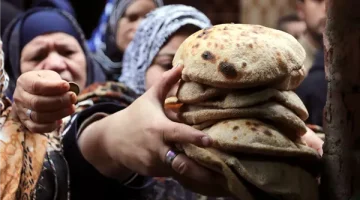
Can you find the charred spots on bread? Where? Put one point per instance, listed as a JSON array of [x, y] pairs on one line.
[[225, 28], [202, 34], [248, 123], [256, 124], [235, 128], [196, 46], [208, 56], [254, 129], [238, 45], [268, 133], [251, 46], [235, 138], [244, 65], [205, 33], [228, 70]]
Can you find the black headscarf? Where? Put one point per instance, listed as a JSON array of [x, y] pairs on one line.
[[23, 29]]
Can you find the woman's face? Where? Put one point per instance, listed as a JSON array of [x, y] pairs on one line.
[[163, 61], [59, 52], [128, 24]]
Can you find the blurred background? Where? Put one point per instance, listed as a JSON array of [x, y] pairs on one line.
[[264, 12]]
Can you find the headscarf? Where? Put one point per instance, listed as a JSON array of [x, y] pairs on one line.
[[4, 78], [104, 42], [151, 35], [98, 35], [64, 5], [36, 22], [50, 22]]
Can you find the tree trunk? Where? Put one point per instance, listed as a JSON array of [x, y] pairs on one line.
[[341, 177]]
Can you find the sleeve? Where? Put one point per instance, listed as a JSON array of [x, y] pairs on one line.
[[84, 178], [85, 181]]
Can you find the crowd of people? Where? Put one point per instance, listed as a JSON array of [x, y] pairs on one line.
[[115, 138]]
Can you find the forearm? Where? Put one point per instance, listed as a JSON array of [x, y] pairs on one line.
[[94, 148]]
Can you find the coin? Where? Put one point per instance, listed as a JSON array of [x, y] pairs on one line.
[[74, 88]]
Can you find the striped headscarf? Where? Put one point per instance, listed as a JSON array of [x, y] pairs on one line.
[[151, 35], [103, 43], [4, 78]]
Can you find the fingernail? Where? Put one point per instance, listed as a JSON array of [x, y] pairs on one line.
[[64, 84], [178, 65], [73, 97], [206, 141]]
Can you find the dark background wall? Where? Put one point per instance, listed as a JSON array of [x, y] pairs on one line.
[[217, 10], [88, 13]]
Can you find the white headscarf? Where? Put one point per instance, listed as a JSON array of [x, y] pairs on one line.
[[108, 50], [4, 78], [151, 35]]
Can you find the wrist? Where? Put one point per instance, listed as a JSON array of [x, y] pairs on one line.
[[95, 144]]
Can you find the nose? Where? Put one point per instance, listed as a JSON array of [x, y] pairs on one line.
[[55, 62], [134, 26]]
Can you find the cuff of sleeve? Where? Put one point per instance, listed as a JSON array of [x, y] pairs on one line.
[[93, 118]]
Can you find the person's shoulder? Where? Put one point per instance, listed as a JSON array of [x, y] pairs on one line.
[[107, 92]]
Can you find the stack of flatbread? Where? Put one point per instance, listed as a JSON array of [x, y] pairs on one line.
[[236, 87]]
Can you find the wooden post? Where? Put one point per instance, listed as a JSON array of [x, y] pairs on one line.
[[341, 177]]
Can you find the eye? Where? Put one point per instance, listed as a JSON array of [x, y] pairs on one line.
[[66, 52], [38, 57], [132, 17]]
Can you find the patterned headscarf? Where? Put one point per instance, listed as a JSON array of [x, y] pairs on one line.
[[151, 35], [4, 78], [103, 43], [98, 35]]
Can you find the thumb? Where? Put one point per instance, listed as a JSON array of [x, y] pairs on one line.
[[43, 82], [164, 85]]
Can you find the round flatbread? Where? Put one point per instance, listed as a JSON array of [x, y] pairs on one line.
[[253, 136], [200, 95], [242, 56], [280, 116]]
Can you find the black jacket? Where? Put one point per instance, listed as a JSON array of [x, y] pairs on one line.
[[313, 90]]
